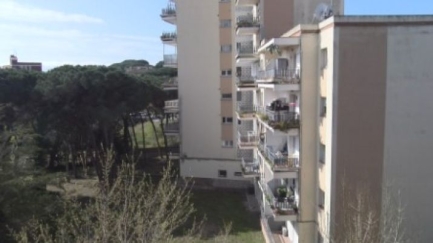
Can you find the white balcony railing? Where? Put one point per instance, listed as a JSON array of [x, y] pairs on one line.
[[280, 204], [250, 167], [248, 139], [171, 104]]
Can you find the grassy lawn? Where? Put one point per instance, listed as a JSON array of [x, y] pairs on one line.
[[150, 138], [221, 208]]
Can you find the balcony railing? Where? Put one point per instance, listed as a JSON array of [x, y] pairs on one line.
[[248, 139], [170, 59], [169, 11], [290, 76], [245, 79], [247, 22], [282, 201], [172, 127], [169, 36], [246, 109], [171, 83], [279, 160], [171, 104], [250, 167], [246, 49], [282, 119]]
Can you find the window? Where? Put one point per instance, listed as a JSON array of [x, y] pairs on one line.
[[227, 72], [222, 173], [227, 120], [238, 174], [321, 199], [239, 122], [227, 144], [225, 23], [322, 107], [323, 58], [226, 96], [322, 153], [226, 48]]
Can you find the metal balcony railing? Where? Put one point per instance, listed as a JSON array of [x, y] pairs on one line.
[[279, 161], [246, 109], [247, 22], [284, 75], [169, 36], [172, 127], [246, 48], [171, 83], [171, 104], [280, 205], [169, 11], [250, 167], [170, 59], [249, 138]]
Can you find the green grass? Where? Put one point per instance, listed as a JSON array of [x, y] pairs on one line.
[[150, 138], [221, 208]]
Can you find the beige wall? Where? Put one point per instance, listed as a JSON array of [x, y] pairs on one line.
[[408, 145], [309, 137], [199, 74], [325, 127]]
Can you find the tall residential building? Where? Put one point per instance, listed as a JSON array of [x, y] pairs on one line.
[[213, 46], [15, 64], [338, 108]]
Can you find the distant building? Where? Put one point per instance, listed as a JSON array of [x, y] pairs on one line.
[[31, 66]]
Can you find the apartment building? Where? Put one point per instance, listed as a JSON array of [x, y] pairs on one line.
[[212, 44], [15, 64], [340, 105]]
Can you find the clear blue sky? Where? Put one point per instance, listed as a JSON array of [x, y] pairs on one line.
[[58, 32]]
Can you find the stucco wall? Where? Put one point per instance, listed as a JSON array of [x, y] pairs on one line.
[[408, 149], [199, 79]]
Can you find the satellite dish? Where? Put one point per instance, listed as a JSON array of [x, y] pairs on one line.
[[322, 12]]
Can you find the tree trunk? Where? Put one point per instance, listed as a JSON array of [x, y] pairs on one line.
[[126, 135], [154, 131], [161, 124], [143, 134], [133, 133]]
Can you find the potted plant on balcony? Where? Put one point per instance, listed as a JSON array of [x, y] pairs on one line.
[[282, 192]]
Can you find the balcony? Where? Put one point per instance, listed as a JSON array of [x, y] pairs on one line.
[[171, 84], [247, 2], [168, 14], [280, 163], [246, 54], [281, 119], [172, 128], [246, 83], [280, 76], [248, 140], [246, 112], [169, 38], [171, 106], [170, 60], [250, 168], [281, 201], [247, 25]]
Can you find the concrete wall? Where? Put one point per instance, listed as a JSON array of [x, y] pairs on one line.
[[326, 90], [199, 57], [209, 169], [309, 137], [408, 145]]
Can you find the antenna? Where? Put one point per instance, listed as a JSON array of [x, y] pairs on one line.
[[322, 12]]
